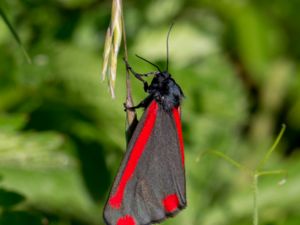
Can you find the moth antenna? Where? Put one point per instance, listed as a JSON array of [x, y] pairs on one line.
[[168, 45], [156, 66]]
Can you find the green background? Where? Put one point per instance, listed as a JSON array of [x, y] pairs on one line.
[[62, 136]]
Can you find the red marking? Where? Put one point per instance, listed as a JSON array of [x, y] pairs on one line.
[[126, 220], [171, 203], [138, 149], [179, 132]]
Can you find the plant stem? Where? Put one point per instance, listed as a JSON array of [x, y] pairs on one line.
[[15, 35], [131, 119], [270, 151], [255, 203], [272, 172]]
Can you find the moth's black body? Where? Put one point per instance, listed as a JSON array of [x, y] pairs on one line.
[[163, 89]]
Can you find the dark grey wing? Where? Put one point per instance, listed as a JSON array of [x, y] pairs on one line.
[[156, 187]]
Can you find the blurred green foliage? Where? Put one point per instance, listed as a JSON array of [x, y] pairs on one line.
[[62, 137]]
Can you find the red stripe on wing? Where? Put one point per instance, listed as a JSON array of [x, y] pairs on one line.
[[126, 220], [138, 148], [170, 203], [179, 131]]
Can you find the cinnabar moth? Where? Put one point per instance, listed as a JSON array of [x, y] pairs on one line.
[[150, 184]]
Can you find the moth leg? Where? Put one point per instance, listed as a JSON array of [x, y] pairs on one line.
[[139, 75], [143, 104]]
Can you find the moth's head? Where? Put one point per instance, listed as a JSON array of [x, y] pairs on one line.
[[161, 76]]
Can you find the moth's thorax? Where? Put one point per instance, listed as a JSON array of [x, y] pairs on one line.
[[165, 91]]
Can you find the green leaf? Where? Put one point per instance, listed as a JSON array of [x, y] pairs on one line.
[[19, 218], [10, 198], [33, 150], [10, 122]]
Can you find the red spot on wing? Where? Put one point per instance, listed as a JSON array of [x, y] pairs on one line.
[[138, 148], [179, 131], [126, 220], [171, 203]]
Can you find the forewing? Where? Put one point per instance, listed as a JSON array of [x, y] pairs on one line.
[[150, 184]]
